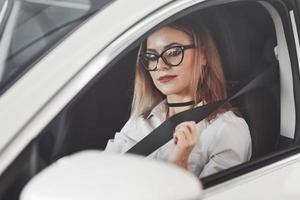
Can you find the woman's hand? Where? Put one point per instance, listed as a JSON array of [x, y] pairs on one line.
[[185, 139]]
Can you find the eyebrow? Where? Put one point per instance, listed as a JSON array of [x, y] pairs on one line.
[[165, 47]]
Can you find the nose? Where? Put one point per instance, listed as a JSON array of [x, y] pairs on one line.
[[161, 65]]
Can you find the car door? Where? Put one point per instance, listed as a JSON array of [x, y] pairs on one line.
[[48, 77], [90, 76]]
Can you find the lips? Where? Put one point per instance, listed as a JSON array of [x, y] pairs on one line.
[[166, 78]]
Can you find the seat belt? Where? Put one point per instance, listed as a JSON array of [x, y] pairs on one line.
[[164, 132]]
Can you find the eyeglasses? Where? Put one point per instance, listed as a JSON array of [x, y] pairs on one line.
[[172, 56]]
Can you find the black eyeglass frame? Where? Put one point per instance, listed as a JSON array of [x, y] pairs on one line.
[[182, 47]]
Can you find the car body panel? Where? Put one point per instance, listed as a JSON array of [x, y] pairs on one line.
[[38, 86], [34, 100], [277, 181], [62, 82]]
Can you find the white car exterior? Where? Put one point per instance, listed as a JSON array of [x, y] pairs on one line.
[[38, 96]]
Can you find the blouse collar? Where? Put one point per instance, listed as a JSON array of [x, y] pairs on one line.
[[160, 110]]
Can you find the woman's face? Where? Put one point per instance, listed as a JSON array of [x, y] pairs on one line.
[[172, 80]]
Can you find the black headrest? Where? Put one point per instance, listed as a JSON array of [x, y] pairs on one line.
[[243, 39]]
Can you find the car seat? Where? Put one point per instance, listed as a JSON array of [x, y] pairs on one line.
[[246, 44]]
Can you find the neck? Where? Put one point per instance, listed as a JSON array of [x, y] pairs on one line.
[[178, 99]]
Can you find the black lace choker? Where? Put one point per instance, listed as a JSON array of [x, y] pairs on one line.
[[188, 103]]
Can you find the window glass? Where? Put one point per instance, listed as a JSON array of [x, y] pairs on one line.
[[245, 42], [32, 27], [246, 49], [103, 107]]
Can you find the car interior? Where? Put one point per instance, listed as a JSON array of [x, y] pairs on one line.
[[246, 44], [245, 36]]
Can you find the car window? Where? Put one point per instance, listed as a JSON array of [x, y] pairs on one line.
[[246, 43], [102, 109], [30, 28]]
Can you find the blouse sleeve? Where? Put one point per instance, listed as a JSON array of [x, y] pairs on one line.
[[122, 140], [231, 146]]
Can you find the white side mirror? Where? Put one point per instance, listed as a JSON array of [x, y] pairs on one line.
[[94, 175]]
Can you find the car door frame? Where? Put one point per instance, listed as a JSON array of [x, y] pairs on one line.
[[91, 66], [61, 81]]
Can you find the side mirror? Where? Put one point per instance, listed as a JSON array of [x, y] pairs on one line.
[[96, 175]]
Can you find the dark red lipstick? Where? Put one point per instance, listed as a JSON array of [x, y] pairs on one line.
[[166, 78]]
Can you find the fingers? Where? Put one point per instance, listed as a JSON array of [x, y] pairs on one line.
[[180, 138], [188, 127], [193, 129], [185, 138], [185, 131], [185, 134]]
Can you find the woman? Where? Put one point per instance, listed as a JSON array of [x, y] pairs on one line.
[[179, 68]]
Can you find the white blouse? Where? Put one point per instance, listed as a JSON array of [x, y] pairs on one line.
[[222, 143]]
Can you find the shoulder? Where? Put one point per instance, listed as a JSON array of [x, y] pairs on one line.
[[228, 121], [133, 122], [229, 130], [137, 127]]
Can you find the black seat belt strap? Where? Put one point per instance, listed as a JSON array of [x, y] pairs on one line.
[[164, 133]]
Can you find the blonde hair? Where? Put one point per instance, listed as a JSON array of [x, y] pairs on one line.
[[208, 83]]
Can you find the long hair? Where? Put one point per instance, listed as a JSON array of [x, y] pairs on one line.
[[208, 83]]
